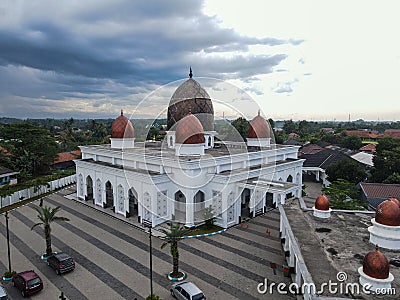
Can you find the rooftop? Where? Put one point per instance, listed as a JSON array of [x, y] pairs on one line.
[[338, 244], [159, 150], [381, 190]]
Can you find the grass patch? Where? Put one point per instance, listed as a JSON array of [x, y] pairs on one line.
[[203, 229]]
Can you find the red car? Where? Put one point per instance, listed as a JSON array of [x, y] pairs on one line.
[[27, 282]]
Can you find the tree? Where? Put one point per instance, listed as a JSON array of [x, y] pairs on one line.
[[289, 126], [242, 126], [347, 169], [32, 149], [175, 234], [47, 215], [386, 160], [352, 142], [343, 194]]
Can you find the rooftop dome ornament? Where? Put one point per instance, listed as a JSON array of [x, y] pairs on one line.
[[375, 271], [321, 207], [190, 72], [385, 229]]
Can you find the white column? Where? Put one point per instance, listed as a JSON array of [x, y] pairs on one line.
[[189, 208]]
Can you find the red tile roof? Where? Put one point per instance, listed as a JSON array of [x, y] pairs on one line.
[[369, 148], [393, 133], [381, 190], [67, 156], [311, 149], [368, 134]]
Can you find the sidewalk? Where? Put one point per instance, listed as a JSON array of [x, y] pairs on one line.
[[70, 193]]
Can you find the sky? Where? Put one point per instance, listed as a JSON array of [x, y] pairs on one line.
[[313, 60]]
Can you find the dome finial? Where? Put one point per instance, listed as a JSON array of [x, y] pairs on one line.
[[376, 247], [122, 112], [258, 111], [190, 73]]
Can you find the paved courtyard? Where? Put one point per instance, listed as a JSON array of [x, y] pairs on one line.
[[112, 260]]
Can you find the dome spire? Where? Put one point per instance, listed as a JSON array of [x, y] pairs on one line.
[[122, 112], [190, 72]]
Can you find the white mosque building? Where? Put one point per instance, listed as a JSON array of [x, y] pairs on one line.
[[190, 170]]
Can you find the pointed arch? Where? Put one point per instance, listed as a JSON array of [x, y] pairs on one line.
[[289, 178], [109, 195], [89, 188]]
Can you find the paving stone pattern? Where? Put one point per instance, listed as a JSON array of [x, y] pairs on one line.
[[112, 257]]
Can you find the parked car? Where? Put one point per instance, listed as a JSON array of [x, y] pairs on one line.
[[61, 262], [27, 282], [3, 293], [187, 291]]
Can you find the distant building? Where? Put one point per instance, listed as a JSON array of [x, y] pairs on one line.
[[375, 193], [370, 148], [364, 134], [7, 176], [311, 149], [364, 158], [65, 160], [393, 133], [328, 130]]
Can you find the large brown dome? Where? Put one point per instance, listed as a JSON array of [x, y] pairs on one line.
[[122, 128], [376, 265], [189, 131], [388, 213], [322, 203], [259, 128], [190, 96]]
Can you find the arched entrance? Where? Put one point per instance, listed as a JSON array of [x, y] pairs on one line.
[[89, 189], [109, 195], [180, 207], [269, 201], [133, 203], [245, 201], [199, 206]]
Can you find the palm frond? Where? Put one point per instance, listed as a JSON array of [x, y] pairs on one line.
[[37, 224]]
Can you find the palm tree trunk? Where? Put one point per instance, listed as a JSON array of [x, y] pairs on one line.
[[48, 240], [175, 260]]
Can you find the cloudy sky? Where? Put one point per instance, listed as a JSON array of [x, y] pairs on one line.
[[314, 60]]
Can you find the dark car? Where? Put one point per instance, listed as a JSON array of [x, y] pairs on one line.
[[27, 282], [187, 291], [61, 262]]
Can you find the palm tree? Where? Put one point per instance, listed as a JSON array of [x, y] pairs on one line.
[[47, 215], [172, 236]]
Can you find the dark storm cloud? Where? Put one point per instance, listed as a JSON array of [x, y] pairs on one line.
[[76, 50]]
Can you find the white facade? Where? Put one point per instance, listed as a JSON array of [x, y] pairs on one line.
[[384, 236], [155, 185]]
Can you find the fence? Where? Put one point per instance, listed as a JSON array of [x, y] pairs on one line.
[[30, 192]]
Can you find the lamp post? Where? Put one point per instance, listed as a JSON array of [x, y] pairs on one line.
[[151, 265], [8, 243]]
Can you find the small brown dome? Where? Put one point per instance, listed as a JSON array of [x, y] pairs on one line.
[[395, 201], [189, 131], [388, 213], [322, 203], [122, 128], [259, 128], [376, 265]]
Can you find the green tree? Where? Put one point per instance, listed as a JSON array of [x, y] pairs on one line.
[[343, 194], [386, 159], [46, 216], [347, 169], [172, 237], [289, 126], [352, 142], [32, 149], [242, 126], [393, 179]]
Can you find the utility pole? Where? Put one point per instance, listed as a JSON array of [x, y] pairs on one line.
[[8, 243]]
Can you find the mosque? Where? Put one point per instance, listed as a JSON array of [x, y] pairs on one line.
[[190, 170]]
